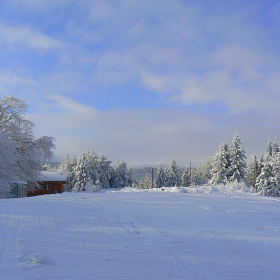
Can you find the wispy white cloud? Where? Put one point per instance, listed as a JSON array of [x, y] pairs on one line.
[[71, 106], [18, 36]]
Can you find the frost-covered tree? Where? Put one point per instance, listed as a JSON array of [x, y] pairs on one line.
[[220, 166], [160, 177], [268, 181], [122, 176], [253, 171], [203, 171], [185, 178], [65, 166], [275, 147], [105, 171], [269, 150], [130, 180], [265, 184], [9, 170], [30, 153], [80, 174], [238, 166], [276, 173], [194, 178], [173, 174], [73, 162], [92, 166], [145, 183]]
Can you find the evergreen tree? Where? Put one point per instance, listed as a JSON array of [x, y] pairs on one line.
[[80, 174], [160, 177], [194, 178], [65, 166], [146, 183], [238, 164], [130, 180], [265, 181], [269, 150], [275, 147], [253, 171], [73, 163], [220, 166], [276, 173], [122, 177], [268, 181], [266, 156], [173, 174], [105, 172], [185, 178], [92, 166], [203, 171]]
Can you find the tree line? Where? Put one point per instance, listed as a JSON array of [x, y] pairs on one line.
[[228, 165], [93, 172]]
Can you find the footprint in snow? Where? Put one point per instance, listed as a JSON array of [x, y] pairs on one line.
[[33, 260]]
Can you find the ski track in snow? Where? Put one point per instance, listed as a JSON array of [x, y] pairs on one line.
[[140, 235]]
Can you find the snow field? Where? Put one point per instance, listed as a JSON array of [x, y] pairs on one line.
[[132, 234]]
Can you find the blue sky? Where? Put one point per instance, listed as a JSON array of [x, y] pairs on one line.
[[144, 81]]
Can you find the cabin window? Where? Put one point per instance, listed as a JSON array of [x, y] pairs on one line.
[[47, 187]]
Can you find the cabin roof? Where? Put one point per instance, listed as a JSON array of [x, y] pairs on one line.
[[50, 176]]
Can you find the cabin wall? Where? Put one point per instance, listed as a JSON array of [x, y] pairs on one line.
[[48, 187]]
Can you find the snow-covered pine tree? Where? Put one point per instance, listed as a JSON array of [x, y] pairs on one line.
[[238, 164], [160, 177], [65, 166], [130, 180], [253, 171], [203, 171], [173, 174], [185, 178], [105, 172], [93, 167], [146, 183], [220, 166], [194, 178], [80, 174], [73, 163], [275, 147], [275, 159], [265, 184], [268, 182], [121, 176], [268, 152]]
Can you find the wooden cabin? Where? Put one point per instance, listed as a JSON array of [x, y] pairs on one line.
[[51, 183]]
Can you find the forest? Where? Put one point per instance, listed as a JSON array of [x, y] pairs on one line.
[[227, 166]]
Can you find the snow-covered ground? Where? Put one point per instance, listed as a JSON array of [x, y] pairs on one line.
[[133, 234]]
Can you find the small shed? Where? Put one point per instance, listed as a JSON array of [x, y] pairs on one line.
[[51, 183]]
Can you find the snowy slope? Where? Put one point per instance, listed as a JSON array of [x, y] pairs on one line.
[[140, 235]]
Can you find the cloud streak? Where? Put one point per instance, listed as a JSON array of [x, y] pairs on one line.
[[18, 36]]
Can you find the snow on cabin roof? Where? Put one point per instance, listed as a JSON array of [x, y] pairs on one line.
[[48, 176]]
